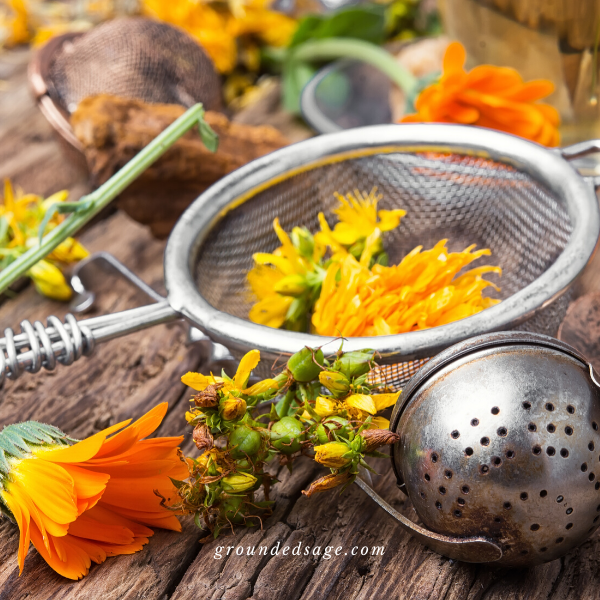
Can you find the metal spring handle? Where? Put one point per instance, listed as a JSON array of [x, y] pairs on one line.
[[38, 346]]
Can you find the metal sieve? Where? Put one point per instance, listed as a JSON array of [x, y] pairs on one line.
[[499, 450], [525, 202], [131, 57]]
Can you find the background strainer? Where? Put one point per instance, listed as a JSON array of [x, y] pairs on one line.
[[131, 57], [526, 203]]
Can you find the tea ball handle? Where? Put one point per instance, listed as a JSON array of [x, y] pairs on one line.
[[468, 549]]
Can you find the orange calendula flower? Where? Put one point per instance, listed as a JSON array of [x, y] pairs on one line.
[[488, 96], [96, 498], [422, 291]]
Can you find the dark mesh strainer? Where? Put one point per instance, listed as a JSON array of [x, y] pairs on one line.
[[131, 57]]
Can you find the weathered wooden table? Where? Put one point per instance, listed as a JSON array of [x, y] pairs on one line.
[[128, 376]]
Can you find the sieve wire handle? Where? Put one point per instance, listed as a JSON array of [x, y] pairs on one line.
[[580, 150], [468, 549], [38, 346]]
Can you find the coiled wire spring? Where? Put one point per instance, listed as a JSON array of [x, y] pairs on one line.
[[38, 346]]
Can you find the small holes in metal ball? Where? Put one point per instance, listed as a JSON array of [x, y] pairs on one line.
[[569, 525], [569, 430], [570, 409], [591, 446], [560, 540], [543, 549], [594, 426], [596, 519], [543, 494], [569, 511], [465, 489], [510, 454], [442, 490], [427, 478], [460, 501], [551, 427], [455, 434], [495, 410], [507, 506], [598, 508], [438, 505], [549, 406], [434, 458], [484, 469], [526, 405], [564, 452], [534, 527], [469, 451], [584, 467], [458, 513], [474, 422], [597, 486], [536, 450], [496, 461], [532, 427], [590, 530], [448, 474], [502, 431], [422, 494], [550, 451], [523, 552], [592, 476], [497, 520], [560, 498], [485, 441], [524, 496]]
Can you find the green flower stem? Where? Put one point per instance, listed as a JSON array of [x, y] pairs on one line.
[[330, 49], [93, 203]]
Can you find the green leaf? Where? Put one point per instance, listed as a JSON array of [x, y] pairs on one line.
[[296, 74], [365, 22], [209, 138]]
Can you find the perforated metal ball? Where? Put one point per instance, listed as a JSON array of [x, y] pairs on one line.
[[500, 438]]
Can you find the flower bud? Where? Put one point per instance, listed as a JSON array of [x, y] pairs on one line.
[[232, 509], [303, 240], [244, 441], [340, 425], [326, 483], [203, 437], [336, 383], [238, 482], [333, 454], [286, 435], [303, 366], [355, 364], [232, 408], [373, 438]]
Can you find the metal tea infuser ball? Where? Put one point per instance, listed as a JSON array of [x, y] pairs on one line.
[[500, 450]]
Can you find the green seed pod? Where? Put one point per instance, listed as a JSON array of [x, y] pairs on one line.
[[302, 367], [232, 508], [238, 482], [247, 442], [354, 364], [286, 435], [303, 240], [336, 383], [243, 464], [338, 424]]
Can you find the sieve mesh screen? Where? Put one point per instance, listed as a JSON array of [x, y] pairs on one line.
[[466, 199]]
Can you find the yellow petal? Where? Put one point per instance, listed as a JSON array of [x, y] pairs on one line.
[[362, 402], [384, 400], [49, 281], [324, 406], [200, 382], [261, 387], [247, 364], [379, 423]]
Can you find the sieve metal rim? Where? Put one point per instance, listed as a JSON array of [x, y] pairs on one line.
[[546, 166]]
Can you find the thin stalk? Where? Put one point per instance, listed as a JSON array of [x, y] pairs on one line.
[[94, 202], [329, 49]]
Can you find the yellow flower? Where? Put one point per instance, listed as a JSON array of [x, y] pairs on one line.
[[239, 482], [22, 215], [359, 217], [82, 503], [324, 406], [49, 281], [336, 383], [14, 19], [249, 361], [333, 455]]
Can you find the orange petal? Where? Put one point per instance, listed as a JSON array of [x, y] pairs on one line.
[[22, 518], [454, 59]]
